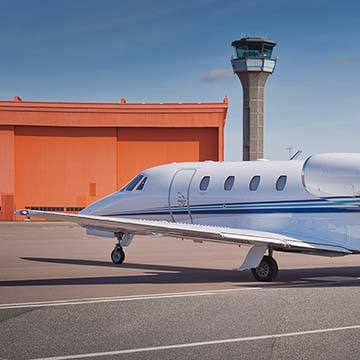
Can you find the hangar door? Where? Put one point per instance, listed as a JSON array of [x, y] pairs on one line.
[[142, 148], [63, 169]]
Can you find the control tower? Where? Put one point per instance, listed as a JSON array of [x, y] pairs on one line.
[[253, 64]]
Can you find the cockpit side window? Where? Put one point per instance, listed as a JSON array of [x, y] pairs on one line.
[[131, 185], [141, 184]]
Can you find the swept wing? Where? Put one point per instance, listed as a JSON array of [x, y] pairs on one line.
[[190, 231]]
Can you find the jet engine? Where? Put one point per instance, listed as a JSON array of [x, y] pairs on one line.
[[332, 175]]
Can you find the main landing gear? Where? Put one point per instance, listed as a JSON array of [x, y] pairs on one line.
[[267, 269]]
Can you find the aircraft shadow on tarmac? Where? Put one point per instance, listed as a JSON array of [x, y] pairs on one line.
[[167, 274]]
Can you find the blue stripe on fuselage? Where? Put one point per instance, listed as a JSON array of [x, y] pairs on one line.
[[263, 207], [241, 211]]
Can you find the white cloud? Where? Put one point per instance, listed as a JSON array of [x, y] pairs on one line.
[[218, 75]]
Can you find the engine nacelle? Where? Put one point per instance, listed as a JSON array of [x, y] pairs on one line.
[[332, 175]]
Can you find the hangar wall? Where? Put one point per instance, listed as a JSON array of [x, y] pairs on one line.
[[57, 167], [7, 172], [63, 156], [152, 147]]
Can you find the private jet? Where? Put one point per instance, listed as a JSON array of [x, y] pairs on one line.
[[307, 206]]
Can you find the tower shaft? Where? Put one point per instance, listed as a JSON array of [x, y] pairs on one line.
[[253, 84]]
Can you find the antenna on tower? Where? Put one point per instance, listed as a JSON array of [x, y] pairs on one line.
[[290, 151]]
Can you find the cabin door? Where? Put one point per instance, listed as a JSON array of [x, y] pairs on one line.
[[179, 195]]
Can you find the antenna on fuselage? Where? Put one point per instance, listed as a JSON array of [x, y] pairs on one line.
[[296, 155]]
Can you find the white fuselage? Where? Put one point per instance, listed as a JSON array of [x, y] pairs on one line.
[[317, 198]]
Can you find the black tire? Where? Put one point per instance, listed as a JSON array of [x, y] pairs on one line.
[[267, 269], [118, 256]]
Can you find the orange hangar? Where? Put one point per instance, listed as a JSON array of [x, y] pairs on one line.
[[61, 156]]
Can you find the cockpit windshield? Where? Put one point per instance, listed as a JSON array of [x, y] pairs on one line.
[[141, 184], [132, 184]]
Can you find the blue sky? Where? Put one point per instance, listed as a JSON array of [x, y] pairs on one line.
[[170, 51]]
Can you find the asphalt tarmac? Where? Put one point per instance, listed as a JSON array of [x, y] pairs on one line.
[[62, 298]]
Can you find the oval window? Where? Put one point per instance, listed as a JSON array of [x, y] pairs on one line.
[[204, 183], [229, 183], [281, 182], [254, 183]]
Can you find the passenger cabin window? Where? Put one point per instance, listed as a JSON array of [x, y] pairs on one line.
[[281, 182], [229, 183], [254, 183], [131, 185], [204, 183], [141, 184]]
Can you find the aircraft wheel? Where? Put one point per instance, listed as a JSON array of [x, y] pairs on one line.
[[267, 269], [118, 255]]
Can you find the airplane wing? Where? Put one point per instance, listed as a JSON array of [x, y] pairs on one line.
[[191, 231]]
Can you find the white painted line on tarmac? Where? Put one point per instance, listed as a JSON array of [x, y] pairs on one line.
[[117, 298], [334, 278], [100, 298], [202, 343]]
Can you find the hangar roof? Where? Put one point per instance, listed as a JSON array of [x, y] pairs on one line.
[[121, 114]]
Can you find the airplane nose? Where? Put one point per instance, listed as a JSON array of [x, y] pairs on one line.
[[99, 207], [92, 209], [86, 211]]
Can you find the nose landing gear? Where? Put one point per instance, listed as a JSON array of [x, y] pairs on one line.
[[118, 255]]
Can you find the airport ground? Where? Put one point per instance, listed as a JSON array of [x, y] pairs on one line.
[[62, 298]]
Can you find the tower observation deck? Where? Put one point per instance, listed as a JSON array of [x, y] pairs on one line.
[[253, 63]]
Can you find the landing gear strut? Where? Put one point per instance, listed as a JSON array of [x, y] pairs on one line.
[[267, 269], [118, 254]]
